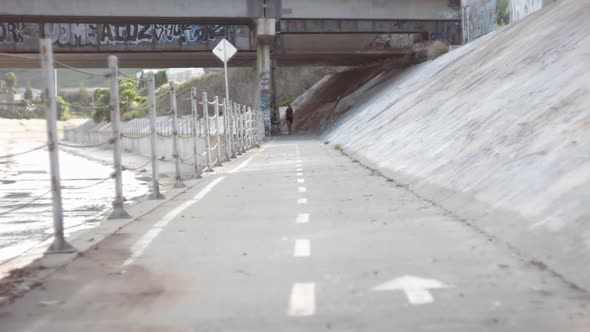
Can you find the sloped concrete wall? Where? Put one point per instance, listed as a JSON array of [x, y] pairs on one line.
[[497, 131]]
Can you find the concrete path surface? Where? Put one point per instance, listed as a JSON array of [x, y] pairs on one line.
[[298, 237]]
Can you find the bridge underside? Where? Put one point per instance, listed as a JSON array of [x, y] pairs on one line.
[[338, 42], [206, 59]]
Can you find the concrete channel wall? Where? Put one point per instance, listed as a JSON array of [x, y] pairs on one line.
[[497, 132]]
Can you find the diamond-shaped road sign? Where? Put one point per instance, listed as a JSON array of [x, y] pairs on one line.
[[224, 50]]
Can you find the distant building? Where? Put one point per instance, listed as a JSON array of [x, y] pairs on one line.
[[143, 73], [181, 75], [178, 75]]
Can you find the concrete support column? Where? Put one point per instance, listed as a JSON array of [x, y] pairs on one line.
[[265, 32], [276, 127]]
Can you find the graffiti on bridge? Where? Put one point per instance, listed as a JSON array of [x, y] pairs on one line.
[[11, 33], [114, 34], [79, 35]]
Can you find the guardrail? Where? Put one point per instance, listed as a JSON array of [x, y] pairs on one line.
[[233, 127]]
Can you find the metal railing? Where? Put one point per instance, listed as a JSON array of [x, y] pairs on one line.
[[233, 127]]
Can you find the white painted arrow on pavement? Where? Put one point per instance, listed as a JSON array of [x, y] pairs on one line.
[[416, 288]]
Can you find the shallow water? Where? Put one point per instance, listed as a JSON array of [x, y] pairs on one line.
[[25, 181]]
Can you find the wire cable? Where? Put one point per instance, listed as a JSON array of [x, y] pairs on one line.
[[135, 137], [88, 186], [126, 168], [137, 108], [21, 56], [131, 78], [26, 204], [23, 152], [85, 107], [105, 75], [189, 159], [85, 146]]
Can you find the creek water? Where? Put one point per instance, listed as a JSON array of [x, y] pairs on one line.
[[26, 216]]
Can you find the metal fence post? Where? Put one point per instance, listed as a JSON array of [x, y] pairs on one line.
[[254, 131], [207, 131], [118, 210], [218, 133], [254, 128], [258, 138], [59, 245], [155, 163], [195, 133], [225, 131], [236, 128], [232, 128], [175, 153], [250, 128], [243, 123]]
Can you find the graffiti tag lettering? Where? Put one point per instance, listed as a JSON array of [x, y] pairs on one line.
[[11, 33], [79, 35]]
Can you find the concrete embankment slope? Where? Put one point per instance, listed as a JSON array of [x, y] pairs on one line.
[[497, 132]]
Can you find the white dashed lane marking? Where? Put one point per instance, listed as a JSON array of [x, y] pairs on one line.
[[302, 248], [300, 181], [302, 218], [302, 201], [240, 166], [302, 300], [139, 247], [302, 189]]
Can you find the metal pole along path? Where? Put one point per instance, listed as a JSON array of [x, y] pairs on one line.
[[255, 127], [118, 210], [225, 131], [155, 163], [207, 131], [246, 129], [254, 143], [245, 125], [237, 125], [243, 128], [218, 132], [231, 128], [250, 128], [175, 153], [236, 111], [59, 245], [195, 133]]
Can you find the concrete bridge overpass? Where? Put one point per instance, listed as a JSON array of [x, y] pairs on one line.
[[181, 33], [222, 11]]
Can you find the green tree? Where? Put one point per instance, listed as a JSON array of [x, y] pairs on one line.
[[10, 79], [130, 98], [502, 12], [63, 110], [85, 97], [160, 78], [102, 99], [28, 92]]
